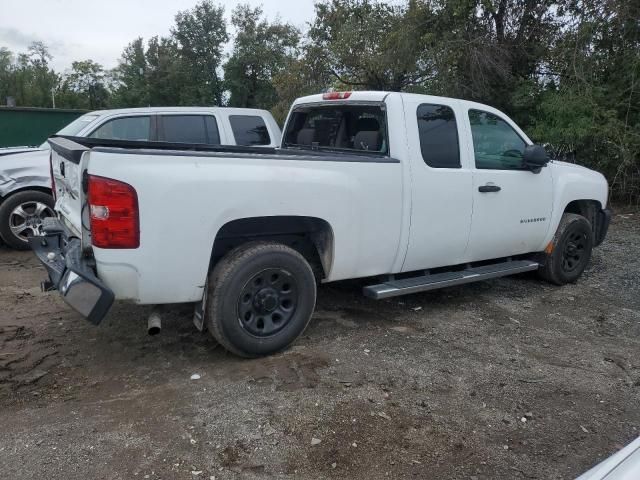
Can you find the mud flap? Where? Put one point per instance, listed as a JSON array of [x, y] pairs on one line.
[[200, 309]]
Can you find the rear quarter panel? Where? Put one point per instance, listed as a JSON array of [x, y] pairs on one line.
[[185, 199]]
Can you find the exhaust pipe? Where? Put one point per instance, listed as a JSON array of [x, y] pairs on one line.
[[154, 323]]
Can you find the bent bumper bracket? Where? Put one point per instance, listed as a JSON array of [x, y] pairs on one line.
[[70, 273]]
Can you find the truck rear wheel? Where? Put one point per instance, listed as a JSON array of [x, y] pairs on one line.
[[261, 297], [572, 245]]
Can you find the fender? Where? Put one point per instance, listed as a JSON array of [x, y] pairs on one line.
[[573, 182], [24, 170]]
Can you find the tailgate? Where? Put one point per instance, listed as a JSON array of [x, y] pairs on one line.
[[68, 163]]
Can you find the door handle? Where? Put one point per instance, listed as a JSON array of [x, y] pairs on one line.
[[489, 188]]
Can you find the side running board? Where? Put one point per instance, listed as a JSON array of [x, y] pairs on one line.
[[393, 288]]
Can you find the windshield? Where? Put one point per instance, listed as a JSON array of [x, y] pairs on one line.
[[358, 128], [77, 125]]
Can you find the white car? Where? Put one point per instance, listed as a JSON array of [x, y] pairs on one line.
[[622, 465], [25, 181], [420, 192]]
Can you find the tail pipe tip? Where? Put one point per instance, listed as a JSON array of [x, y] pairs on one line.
[[154, 323]]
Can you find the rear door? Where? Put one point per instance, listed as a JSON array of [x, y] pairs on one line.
[[441, 184], [188, 128]]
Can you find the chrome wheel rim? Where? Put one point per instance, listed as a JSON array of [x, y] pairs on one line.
[[26, 219]]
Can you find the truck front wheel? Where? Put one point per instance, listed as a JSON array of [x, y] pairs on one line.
[[570, 250], [261, 297]]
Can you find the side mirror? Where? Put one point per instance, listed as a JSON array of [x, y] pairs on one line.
[[535, 157]]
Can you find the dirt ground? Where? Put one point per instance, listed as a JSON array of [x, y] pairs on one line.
[[506, 379]]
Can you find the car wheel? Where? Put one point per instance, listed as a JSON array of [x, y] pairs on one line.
[[261, 297], [571, 250], [21, 216]]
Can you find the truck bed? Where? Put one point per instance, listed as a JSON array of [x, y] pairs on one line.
[[72, 152]]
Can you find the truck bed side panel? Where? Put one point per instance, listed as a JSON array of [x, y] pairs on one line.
[[185, 199]]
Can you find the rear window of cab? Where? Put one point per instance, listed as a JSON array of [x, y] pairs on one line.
[[357, 128]]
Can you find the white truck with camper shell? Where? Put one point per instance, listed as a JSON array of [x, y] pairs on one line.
[[414, 192]]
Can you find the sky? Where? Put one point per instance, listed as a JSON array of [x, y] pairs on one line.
[[99, 30]]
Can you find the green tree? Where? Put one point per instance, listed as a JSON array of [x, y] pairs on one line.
[[131, 76], [489, 50], [86, 86], [372, 45], [200, 34], [593, 111], [29, 79], [166, 75], [261, 51], [6, 73], [305, 75]]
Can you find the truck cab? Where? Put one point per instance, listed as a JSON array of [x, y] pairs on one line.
[[468, 195]]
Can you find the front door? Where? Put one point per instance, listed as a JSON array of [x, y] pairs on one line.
[[511, 205]]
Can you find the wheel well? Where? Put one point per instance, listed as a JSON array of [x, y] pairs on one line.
[[311, 236], [587, 208], [23, 189]]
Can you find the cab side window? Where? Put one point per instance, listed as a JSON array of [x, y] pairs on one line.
[[496, 145], [438, 136], [249, 130], [200, 129], [124, 128]]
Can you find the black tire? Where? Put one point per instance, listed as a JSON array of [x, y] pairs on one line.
[[282, 291], [572, 246], [28, 198]]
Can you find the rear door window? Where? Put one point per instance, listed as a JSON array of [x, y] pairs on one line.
[[249, 130], [438, 136], [189, 129], [125, 128], [358, 128]]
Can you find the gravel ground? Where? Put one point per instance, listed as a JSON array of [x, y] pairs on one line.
[[506, 379]]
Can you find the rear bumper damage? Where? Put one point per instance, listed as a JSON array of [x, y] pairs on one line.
[[70, 272]]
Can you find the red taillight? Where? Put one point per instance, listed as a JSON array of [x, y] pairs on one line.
[[336, 95], [113, 208], [53, 180]]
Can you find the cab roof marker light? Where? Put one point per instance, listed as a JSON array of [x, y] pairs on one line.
[[336, 95]]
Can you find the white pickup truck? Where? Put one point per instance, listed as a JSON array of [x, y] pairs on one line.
[[417, 192]]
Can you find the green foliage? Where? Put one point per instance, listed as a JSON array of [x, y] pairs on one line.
[[371, 45], [131, 75], [86, 85], [182, 69], [27, 78], [261, 51], [200, 34], [568, 71]]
